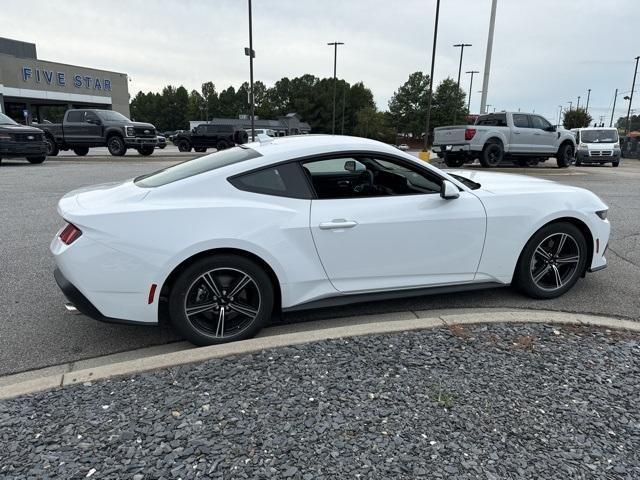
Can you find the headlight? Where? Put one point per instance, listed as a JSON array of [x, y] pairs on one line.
[[582, 146], [616, 145], [130, 132], [602, 214]]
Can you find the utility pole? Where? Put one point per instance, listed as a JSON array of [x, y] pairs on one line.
[[588, 96], [578, 104], [249, 51], [430, 92], [487, 60], [344, 90], [335, 62], [472, 72], [633, 84], [570, 104], [461, 45], [615, 97]]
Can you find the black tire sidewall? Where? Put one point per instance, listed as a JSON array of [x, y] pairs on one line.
[[484, 156], [146, 151], [522, 276], [454, 161], [111, 146], [81, 151], [564, 159], [184, 146], [37, 160], [180, 288], [52, 148]]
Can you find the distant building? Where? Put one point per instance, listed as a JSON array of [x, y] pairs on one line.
[[289, 124]]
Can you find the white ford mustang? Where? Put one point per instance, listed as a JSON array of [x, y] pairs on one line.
[[219, 243]]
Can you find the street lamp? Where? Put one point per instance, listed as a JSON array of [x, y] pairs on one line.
[[472, 72], [588, 97], [461, 45], [335, 62], [578, 104], [633, 84], [251, 54], [570, 104], [487, 59], [433, 63]]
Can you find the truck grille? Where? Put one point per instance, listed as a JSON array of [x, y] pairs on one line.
[[601, 153], [144, 132], [27, 137]]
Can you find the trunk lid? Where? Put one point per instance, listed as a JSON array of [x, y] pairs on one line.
[[449, 135], [100, 198]]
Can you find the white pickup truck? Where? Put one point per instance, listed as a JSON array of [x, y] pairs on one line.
[[522, 138]]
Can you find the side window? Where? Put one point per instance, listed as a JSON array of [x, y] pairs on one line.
[[286, 180], [90, 117], [201, 129], [75, 116], [520, 120], [539, 122], [368, 176]]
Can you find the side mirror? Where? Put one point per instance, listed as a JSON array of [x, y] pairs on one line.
[[552, 128], [94, 121], [350, 165], [448, 190]]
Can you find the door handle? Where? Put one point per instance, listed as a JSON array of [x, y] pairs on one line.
[[338, 223], [516, 133], [537, 134]]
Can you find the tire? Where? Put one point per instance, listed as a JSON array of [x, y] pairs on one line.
[[116, 146], [200, 149], [81, 151], [52, 147], [184, 146], [146, 151], [492, 154], [37, 160], [540, 257], [162, 147], [191, 289], [455, 161], [615, 163], [240, 137], [565, 154], [578, 162], [222, 145]]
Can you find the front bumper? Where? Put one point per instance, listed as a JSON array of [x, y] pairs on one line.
[[584, 156], [137, 142], [22, 149]]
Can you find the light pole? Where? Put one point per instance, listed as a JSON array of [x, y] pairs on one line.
[[588, 97], [570, 104], [486, 108], [472, 72], [335, 62], [633, 84], [430, 92], [578, 104], [487, 59], [251, 54], [461, 45], [615, 97]]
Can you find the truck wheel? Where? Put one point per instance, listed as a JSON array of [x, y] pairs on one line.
[[184, 146], [491, 155], [453, 160], [200, 149], [615, 163], [564, 156], [81, 151], [37, 160], [221, 145], [146, 151], [116, 146], [52, 148]]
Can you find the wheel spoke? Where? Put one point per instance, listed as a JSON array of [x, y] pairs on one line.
[[570, 259], [203, 307], [243, 309], [538, 276], [244, 281], [542, 252], [557, 275], [563, 239], [220, 326], [211, 284]]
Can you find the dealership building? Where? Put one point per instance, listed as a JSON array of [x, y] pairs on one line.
[[36, 91]]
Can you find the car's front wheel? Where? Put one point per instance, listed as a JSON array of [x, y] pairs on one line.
[[81, 151], [491, 155], [564, 157], [146, 150], [38, 159], [552, 261], [116, 146], [453, 160], [220, 299]]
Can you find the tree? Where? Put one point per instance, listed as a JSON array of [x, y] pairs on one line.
[[371, 123], [576, 118], [408, 105], [211, 101], [197, 108], [634, 123], [448, 105]]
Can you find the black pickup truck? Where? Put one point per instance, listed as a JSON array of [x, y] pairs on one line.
[[82, 129], [20, 141], [210, 136]]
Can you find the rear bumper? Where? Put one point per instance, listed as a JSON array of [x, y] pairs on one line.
[[20, 149], [454, 148]]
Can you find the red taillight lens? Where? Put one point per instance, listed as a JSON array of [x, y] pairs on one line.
[[70, 234], [469, 133]]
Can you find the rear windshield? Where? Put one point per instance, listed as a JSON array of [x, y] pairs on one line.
[[493, 120], [196, 166]]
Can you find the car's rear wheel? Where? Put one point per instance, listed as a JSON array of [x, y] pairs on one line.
[[146, 150], [452, 160], [52, 148], [220, 299], [116, 146], [81, 151], [491, 155], [564, 157], [552, 261]]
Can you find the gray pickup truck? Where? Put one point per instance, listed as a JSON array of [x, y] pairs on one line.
[[522, 138], [82, 129]]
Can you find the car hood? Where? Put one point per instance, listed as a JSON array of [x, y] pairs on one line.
[[19, 129], [143, 125], [497, 182], [100, 198]]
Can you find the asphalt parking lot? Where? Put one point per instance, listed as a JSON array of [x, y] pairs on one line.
[[36, 331]]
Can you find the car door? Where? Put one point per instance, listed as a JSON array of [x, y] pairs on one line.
[[91, 129], [521, 134], [73, 126], [391, 238], [544, 140]]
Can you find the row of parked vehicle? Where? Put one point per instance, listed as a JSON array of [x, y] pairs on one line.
[[524, 139]]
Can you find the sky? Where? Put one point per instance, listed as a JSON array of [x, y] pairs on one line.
[[545, 54]]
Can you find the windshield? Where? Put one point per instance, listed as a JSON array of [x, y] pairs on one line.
[[196, 166], [4, 120], [109, 115], [599, 136]]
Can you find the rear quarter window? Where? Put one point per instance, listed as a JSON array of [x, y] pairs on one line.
[[284, 180]]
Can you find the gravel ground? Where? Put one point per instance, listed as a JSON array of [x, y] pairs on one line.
[[487, 401]]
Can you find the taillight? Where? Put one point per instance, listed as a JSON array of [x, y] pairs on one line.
[[469, 133], [70, 234]]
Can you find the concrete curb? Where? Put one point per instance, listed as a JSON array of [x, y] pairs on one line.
[[376, 326]]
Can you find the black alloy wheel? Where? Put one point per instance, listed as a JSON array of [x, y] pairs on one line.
[[116, 146], [491, 155]]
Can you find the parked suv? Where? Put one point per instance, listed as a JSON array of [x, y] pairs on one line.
[[523, 138], [210, 136], [82, 129], [20, 141], [597, 145]]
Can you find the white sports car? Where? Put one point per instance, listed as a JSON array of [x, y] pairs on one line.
[[218, 243]]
